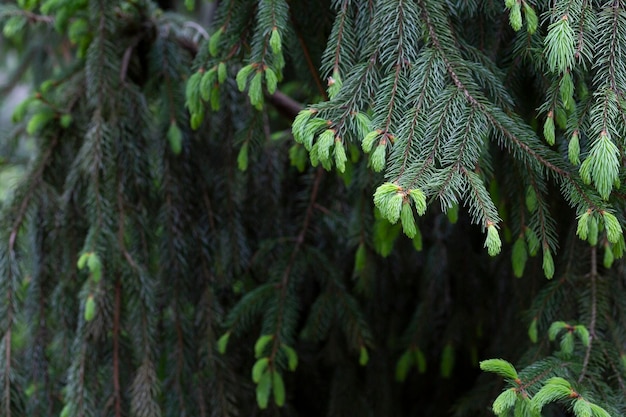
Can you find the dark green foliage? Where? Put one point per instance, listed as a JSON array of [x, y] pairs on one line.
[[171, 251]]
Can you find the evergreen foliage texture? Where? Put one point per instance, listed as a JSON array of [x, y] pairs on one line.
[[315, 208]]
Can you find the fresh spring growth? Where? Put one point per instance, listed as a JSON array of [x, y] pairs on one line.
[[364, 356], [612, 227], [555, 329], [532, 240], [263, 390], [222, 343], [321, 149], [90, 308], [531, 199], [532, 22], [582, 230], [419, 199], [566, 89], [519, 256], [532, 330], [619, 247], [418, 244], [192, 92], [261, 343], [573, 149], [20, 110], [299, 124], [408, 221], [560, 117], [38, 121], [95, 267], [206, 83], [447, 360], [259, 368], [583, 334], [255, 91], [567, 344], [363, 123], [420, 360], [585, 171], [582, 408], [560, 45], [77, 30], [66, 121], [214, 41], [275, 42], [603, 165], [411, 357], [66, 411], [82, 260], [404, 365], [388, 199], [369, 139], [360, 258], [13, 26], [278, 388], [548, 129], [292, 357], [504, 402], [555, 389], [271, 81], [609, 257], [384, 191], [515, 16], [340, 156], [393, 208], [493, 242], [548, 263], [222, 72], [242, 76], [308, 131], [499, 366], [378, 157], [242, 157], [592, 235], [91, 260], [175, 138], [196, 120]]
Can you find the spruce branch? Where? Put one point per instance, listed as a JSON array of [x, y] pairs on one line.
[[35, 178], [168, 86], [411, 131], [429, 160], [580, 44], [117, 394], [174, 244], [445, 91], [546, 224], [494, 118], [284, 281], [593, 277], [479, 199], [616, 371], [339, 30]]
